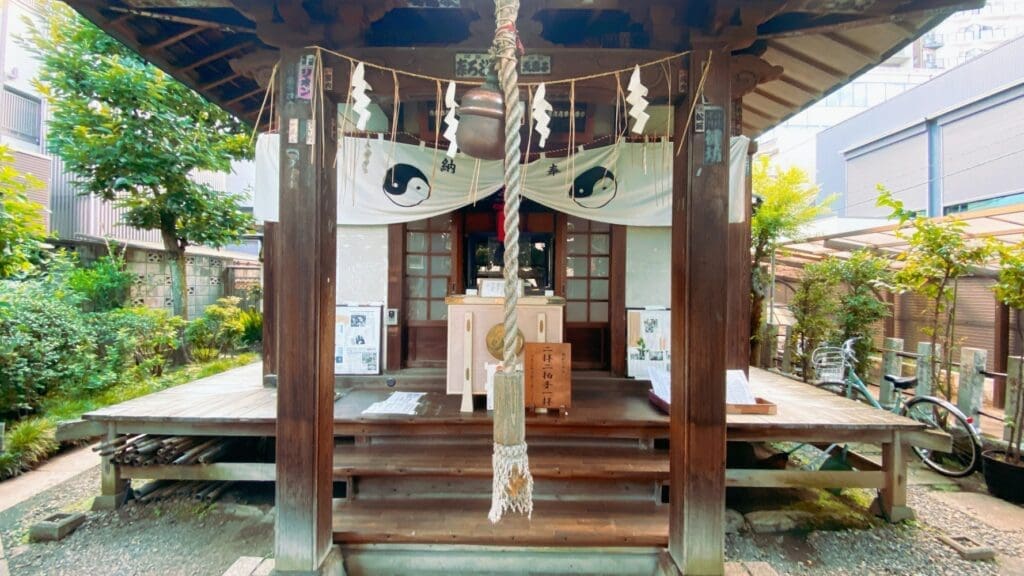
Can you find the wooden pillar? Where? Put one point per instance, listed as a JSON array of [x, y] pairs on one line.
[[892, 498], [1000, 351], [270, 280], [738, 264], [305, 399], [699, 301], [113, 488], [396, 296]]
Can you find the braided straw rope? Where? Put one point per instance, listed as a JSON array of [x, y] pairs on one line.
[[512, 482]]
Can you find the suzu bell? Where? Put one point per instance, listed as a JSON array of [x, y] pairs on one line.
[[481, 132]]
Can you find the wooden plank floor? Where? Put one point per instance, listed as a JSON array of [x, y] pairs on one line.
[[554, 523], [237, 398], [474, 460]]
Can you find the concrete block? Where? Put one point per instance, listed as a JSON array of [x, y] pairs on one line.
[[968, 548], [56, 527], [772, 521]]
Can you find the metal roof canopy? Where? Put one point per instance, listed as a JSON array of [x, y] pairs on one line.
[[1004, 224]]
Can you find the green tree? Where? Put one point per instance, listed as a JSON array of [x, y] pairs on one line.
[[132, 135], [860, 278], [788, 204], [814, 306], [937, 255], [21, 222], [1009, 290]]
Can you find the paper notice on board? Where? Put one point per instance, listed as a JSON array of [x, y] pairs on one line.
[[737, 389], [397, 403], [661, 383]]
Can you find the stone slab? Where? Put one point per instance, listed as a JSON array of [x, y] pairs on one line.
[[997, 513], [772, 521], [56, 527]]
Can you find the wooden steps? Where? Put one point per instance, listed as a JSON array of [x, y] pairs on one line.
[[554, 523], [474, 460]]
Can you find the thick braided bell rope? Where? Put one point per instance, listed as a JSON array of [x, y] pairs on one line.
[[513, 484]]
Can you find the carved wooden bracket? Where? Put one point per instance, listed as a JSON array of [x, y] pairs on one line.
[[748, 71]]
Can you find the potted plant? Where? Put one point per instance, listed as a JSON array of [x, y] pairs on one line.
[[1004, 470]]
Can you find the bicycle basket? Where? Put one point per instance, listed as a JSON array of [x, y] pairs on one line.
[[829, 364]]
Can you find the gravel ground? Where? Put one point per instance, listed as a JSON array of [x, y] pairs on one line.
[[910, 549], [180, 537], [168, 538]]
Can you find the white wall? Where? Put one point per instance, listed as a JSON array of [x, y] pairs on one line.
[[363, 268], [648, 262]]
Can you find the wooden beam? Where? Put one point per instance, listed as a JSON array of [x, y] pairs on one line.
[[171, 40], [700, 284], [396, 295], [271, 262], [219, 81], [617, 304], [305, 399], [246, 96], [222, 26], [227, 50], [739, 270]]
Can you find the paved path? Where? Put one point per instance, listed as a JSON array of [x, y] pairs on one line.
[[51, 473]]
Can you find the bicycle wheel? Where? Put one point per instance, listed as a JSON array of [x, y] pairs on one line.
[[937, 414]]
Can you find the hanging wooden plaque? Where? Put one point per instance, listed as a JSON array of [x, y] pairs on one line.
[[548, 369]]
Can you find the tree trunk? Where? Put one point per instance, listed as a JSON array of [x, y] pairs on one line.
[[949, 340], [1013, 454], [179, 290]]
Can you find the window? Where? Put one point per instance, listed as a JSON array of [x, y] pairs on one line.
[[588, 268], [21, 115], [428, 268]]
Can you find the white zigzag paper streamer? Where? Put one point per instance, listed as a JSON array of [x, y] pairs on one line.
[[450, 121], [541, 114], [360, 101], [637, 92]]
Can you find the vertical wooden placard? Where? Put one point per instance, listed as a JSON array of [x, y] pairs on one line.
[[548, 375]]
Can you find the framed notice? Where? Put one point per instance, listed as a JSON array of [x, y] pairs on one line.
[[357, 339], [548, 373], [648, 341]]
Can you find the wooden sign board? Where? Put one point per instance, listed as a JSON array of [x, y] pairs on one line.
[[548, 376]]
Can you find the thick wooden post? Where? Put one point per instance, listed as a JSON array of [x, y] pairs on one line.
[[892, 365], [305, 399], [972, 382], [1000, 351], [113, 488], [699, 300], [270, 291]]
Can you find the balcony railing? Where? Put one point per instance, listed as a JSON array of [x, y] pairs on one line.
[[21, 115]]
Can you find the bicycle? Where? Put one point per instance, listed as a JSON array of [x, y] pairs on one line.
[[835, 369]]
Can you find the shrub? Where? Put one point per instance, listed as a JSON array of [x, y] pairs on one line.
[[45, 345], [251, 321], [219, 328], [103, 285], [137, 339], [28, 442]]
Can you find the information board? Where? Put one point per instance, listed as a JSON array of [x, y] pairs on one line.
[[357, 339]]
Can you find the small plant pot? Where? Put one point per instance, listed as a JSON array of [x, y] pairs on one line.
[[1004, 479]]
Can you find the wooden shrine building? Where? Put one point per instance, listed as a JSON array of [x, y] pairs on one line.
[[353, 224]]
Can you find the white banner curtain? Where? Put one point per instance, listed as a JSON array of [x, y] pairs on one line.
[[384, 183]]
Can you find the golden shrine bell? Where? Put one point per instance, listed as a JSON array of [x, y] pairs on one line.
[[481, 132]]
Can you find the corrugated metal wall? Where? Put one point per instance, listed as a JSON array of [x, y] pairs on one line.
[[38, 166]]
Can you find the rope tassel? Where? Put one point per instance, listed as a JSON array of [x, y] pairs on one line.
[[513, 484]]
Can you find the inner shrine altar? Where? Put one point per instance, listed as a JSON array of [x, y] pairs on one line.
[[475, 334]]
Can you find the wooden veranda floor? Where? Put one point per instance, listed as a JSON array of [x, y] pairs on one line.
[[600, 470], [236, 404]]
